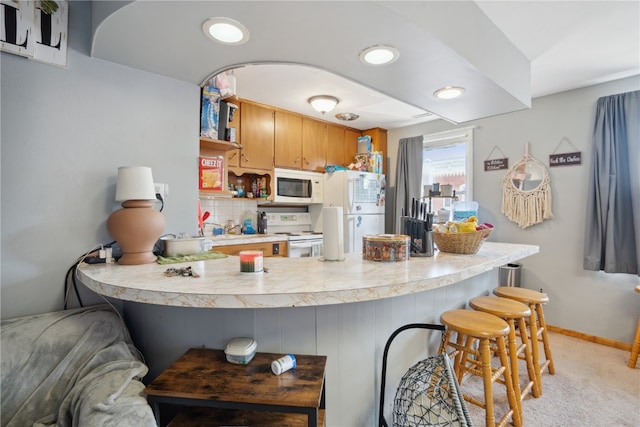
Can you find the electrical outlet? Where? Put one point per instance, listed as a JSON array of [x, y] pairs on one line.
[[162, 189]]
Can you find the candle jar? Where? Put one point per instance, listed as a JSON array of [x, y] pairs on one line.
[[250, 261]]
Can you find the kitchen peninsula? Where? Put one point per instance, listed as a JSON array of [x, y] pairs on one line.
[[294, 282], [343, 310]]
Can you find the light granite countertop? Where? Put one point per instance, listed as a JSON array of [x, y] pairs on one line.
[[293, 282]]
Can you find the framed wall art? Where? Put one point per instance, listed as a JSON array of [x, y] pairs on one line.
[[37, 29]]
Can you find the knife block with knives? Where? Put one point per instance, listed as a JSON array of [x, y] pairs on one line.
[[418, 226]]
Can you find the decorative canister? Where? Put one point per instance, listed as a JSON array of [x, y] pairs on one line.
[[386, 247]]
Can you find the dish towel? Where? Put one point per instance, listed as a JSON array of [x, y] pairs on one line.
[[187, 258]]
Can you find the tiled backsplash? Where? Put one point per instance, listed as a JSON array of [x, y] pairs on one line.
[[223, 210]]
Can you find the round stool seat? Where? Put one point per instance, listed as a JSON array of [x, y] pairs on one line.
[[475, 323], [501, 307], [528, 296]]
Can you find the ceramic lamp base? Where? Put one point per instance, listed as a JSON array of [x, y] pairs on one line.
[[136, 227]]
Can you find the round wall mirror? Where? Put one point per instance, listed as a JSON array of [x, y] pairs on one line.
[[527, 175]]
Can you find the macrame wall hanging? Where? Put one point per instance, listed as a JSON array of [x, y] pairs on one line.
[[526, 192]]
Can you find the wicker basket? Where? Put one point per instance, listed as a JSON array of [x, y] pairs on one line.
[[461, 243]]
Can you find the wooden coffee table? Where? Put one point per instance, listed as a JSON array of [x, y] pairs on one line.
[[204, 378]]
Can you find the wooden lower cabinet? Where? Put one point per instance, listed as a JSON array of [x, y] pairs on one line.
[[269, 249]]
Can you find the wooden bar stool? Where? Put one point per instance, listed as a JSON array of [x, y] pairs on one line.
[[484, 328], [537, 326], [635, 347], [512, 312]]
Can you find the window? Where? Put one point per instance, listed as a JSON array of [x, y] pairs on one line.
[[448, 159]]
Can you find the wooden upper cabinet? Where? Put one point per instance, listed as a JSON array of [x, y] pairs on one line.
[[342, 145], [314, 145], [350, 145], [233, 156], [257, 129], [379, 141], [335, 145], [288, 140]]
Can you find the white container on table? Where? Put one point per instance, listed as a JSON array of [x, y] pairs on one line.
[[241, 350]]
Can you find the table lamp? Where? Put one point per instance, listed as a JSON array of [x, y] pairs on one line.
[[137, 226]]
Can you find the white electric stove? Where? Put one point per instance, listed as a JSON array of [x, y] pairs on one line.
[[297, 227]]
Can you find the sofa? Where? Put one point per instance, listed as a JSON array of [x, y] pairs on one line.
[[75, 367]]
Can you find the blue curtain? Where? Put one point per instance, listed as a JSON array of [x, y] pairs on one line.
[[408, 175], [612, 236]]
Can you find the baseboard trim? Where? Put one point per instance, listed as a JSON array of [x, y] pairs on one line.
[[592, 338]]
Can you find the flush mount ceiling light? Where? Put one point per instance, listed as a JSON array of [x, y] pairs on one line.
[[226, 31], [448, 92], [379, 55], [323, 103], [347, 117]]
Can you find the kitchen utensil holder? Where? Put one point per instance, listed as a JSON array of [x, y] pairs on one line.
[[420, 234]]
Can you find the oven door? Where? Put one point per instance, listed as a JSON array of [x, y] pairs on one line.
[[305, 248]]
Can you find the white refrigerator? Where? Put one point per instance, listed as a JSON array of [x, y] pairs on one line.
[[362, 197]]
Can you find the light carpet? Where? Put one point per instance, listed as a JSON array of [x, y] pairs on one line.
[[592, 386]]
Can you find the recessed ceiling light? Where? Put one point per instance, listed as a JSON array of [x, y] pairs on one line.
[[347, 117], [226, 31], [448, 92], [379, 55]]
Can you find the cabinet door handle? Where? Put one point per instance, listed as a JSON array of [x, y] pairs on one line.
[[232, 155]]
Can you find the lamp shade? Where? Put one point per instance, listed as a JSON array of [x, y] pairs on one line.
[[135, 183]]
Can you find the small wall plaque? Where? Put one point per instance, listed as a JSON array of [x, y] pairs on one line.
[[565, 159], [496, 164]]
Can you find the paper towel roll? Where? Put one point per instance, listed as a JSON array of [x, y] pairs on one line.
[[332, 234]]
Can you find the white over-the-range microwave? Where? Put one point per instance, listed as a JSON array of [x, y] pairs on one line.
[[298, 187]]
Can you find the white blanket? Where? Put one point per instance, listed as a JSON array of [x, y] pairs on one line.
[[71, 368]]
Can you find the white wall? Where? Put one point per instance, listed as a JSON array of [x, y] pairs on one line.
[[595, 303], [64, 134]]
